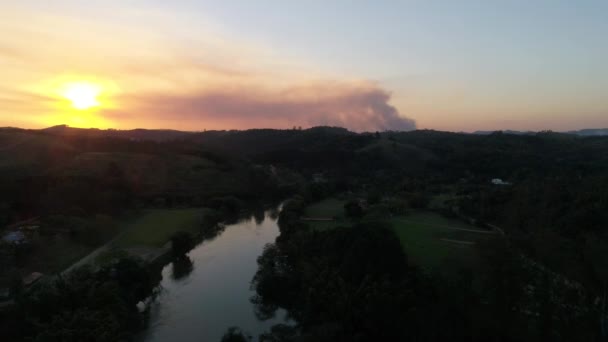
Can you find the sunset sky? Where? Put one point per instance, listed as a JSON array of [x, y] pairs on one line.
[[365, 65]]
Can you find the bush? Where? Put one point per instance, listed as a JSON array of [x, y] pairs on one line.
[[419, 200], [235, 334], [181, 243], [353, 209]]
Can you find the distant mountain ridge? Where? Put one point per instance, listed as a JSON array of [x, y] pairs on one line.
[[135, 134], [204, 136], [270, 135], [590, 132], [508, 131], [581, 132]]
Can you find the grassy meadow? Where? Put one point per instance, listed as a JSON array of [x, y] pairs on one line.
[[430, 240], [154, 227]]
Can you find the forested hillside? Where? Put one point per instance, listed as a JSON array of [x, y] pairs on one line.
[[506, 232]]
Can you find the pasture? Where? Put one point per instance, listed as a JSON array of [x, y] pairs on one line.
[[430, 240], [155, 227], [327, 208]]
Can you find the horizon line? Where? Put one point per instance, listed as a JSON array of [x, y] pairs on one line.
[[489, 131]]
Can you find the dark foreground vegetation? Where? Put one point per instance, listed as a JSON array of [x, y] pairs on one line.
[[355, 284], [85, 305], [413, 236]]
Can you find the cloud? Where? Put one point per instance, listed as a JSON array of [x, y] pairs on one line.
[[156, 71], [359, 107]]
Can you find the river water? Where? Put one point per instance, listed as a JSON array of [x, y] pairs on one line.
[[199, 305]]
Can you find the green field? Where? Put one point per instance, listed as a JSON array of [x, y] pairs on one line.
[[331, 207], [429, 239], [328, 208], [147, 230], [424, 236], [154, 227]]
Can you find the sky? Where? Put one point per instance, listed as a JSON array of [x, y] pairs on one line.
[[365, 65]]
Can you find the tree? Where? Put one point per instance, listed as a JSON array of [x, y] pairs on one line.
[[419, 200], [235, 334], [350, 283], [280, 333], [15, 284], [353, 209], [181, 243], [181, 267], [86, 304]]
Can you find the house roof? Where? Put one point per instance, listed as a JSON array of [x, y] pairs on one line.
[[14, 237]]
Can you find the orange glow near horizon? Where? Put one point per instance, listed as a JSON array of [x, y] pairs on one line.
[[77, 118], [122, 65], [78, 101]]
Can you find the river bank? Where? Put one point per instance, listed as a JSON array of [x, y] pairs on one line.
[[209, 291]]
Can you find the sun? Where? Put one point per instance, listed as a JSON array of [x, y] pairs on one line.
[[82, 95]]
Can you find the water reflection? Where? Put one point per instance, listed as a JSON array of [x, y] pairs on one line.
[[209, 290], [259, 216], [273, 213]]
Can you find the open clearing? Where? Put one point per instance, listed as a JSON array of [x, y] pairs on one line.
[[327, 208], [429, 239], [154, 227], [331, 207], [145, 233]]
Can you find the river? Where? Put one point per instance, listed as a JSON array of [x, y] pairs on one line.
[[200, 305]]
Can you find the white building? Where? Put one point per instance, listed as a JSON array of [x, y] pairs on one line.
[[498, 181]]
